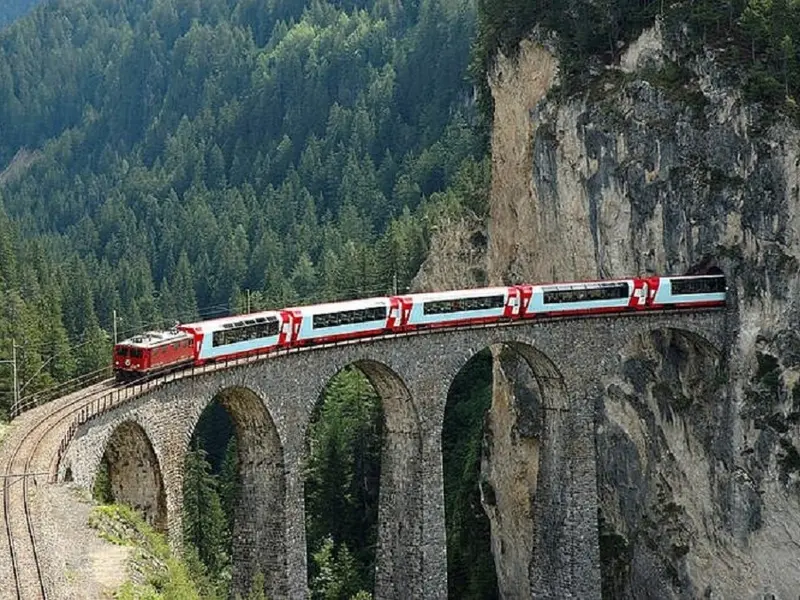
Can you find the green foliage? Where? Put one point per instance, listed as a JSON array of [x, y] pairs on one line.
[[342, 482], [588, 33], [204, 523], [336, 574], [257, 589], [470, 567], [101, 491], [168, 159], [211, 486], [755, 39], [162, 576], [13, 9]]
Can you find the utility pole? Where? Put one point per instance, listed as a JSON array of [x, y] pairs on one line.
[[14, 390], [248, 302], [14, 371], [115, 326], [394, 284]]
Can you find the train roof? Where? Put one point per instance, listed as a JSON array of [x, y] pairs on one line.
[[151, 339], [233, 321], [344, 305], [582, 285], [450, 294]]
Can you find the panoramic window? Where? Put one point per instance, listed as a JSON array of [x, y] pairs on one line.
[[243, 331], [705, 285], [587, 294], [439, 307], [349, 317]]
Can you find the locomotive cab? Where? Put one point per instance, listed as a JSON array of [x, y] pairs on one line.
[[151, 352]]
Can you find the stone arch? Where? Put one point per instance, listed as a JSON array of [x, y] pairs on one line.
[[134, 473], [399, 535], [259, 532], [524, 464], [707, 265], [399, 411]]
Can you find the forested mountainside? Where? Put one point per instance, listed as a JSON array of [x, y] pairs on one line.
[[159, 158], [13, 9], [173, 159]]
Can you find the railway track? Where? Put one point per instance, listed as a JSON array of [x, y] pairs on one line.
[[19, 473]]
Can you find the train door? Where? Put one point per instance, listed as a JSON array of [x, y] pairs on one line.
[[297, 321], [395, 313], [639, 297], [652, 290], [525, 295], [406, 303], [285, 331], [513, 303]]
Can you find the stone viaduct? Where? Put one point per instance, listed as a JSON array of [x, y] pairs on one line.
[[145, 441]]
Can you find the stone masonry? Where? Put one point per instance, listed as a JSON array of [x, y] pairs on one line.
[[271, 402]]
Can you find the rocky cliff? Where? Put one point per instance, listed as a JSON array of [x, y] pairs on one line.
[[658, 167]]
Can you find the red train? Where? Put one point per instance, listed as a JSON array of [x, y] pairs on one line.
[[254, 333]]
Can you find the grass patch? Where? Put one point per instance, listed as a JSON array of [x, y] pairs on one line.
[[155, 573]]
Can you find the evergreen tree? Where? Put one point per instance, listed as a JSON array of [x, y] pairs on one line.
[[229, 481], [204, 522]]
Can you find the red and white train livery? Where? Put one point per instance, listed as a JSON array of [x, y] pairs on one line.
[[261, 332]]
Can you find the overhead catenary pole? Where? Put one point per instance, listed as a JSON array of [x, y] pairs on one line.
[[14, 371], [14, 390], [115, 326]]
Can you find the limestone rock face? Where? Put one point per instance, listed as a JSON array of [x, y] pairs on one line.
[[658, 168]]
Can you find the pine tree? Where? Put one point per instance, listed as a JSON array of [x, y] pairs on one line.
[[229, 481], [203, 517]]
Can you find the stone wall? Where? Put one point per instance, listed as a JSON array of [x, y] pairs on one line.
[[271, 403]]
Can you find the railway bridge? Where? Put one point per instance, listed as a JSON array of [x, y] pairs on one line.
[[145, 434]]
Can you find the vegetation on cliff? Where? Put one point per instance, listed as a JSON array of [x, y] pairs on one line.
[[157, 573], [757, 40]]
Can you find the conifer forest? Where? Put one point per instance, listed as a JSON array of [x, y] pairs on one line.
[[171, 160]]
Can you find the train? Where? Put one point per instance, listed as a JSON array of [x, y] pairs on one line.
[[227, 338]]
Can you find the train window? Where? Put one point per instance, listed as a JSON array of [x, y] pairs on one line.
[[587, 294], [698, 285], [136, 353], [242, 332], [439, 307], [122, 351], [349, 317]]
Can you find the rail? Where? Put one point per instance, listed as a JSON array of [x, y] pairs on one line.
[[40, 397], [22, 540]]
